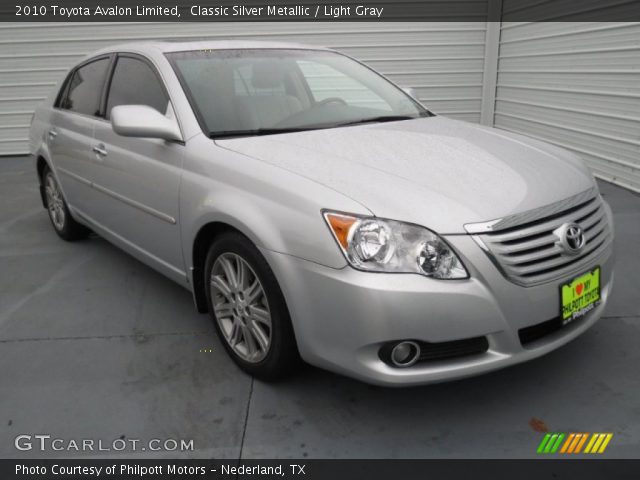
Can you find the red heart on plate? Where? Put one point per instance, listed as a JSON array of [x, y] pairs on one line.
[[579, 288]]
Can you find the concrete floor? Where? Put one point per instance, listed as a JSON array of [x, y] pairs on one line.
[[93, 344]]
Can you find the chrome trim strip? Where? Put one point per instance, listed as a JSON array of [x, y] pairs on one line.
[[133, 203], [530, 215], [74, 176], [490, 255], [122, 198]]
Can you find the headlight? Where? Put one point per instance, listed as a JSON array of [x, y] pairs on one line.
[[377, 245]]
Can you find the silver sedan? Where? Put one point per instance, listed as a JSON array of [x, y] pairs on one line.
[[319, 212]]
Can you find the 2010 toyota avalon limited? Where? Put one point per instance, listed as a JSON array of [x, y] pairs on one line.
[[319, 212]]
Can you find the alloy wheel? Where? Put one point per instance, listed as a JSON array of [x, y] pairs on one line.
[[55, 202], [240, 307]]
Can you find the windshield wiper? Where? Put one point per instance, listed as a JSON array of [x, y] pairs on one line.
[[257, 131], [380, 119], [274, 131]]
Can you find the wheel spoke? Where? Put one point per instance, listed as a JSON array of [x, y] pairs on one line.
[[223, 310], [253, 292], [229, 272], [219, 282], [235, 334], [259, 315], [243, 274], [249, 341], [259, 335]]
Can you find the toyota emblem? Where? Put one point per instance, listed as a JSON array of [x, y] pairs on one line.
[[571, 237]]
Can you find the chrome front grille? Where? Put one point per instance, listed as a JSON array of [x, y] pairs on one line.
[[531, 253]]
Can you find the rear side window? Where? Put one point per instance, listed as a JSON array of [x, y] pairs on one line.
[[135, 83], [85, 88]]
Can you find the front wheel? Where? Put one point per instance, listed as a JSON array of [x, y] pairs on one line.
[[248, 309], [63, 223]]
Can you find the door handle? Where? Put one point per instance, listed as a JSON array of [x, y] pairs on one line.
[[52, 134], [100, 150]]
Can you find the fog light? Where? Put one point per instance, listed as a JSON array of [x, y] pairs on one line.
[[405, 354]]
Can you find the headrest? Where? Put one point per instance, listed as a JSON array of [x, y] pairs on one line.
[[267, 75]]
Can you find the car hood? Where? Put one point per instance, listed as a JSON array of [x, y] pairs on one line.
[[435, 172]]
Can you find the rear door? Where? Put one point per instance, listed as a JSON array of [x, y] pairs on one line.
[[70, 136], [139, 178]]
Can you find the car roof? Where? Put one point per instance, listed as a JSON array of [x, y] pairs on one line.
[[169, 46]]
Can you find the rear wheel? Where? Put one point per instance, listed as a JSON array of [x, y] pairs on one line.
[[248, 309], [63, 223]]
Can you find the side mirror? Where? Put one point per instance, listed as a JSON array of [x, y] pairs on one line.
[[412, 93], [143, 121]]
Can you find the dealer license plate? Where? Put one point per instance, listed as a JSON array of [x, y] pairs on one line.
[[580, 295]]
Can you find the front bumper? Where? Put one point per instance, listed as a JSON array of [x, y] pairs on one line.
[[343, 316]]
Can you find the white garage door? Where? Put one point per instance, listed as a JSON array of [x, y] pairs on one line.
[[442, 61], [578, 86]]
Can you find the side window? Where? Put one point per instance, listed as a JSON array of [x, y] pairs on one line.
[[326, 82], [135, 83], [60, 98], [85, 88]]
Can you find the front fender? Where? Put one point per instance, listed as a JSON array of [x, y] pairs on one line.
[[276, 209]]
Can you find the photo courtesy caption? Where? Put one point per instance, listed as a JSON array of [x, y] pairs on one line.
[[115, 469], [139, 470]]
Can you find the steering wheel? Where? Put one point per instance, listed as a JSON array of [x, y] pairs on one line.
[[290, 120], [328, 100]]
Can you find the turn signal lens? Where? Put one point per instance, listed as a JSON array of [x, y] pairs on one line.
[[340, 226]]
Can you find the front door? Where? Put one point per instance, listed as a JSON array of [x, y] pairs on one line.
[[139, 178]]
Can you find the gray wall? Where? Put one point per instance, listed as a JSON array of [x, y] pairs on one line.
[[578, 86], [574, 84]]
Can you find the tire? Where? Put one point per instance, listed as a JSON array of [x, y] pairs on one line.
[[63, 223], [240, 307]]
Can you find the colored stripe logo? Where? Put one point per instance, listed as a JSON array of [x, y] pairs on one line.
[[569, 443]]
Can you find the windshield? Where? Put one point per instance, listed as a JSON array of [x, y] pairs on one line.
[[265, 91]]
